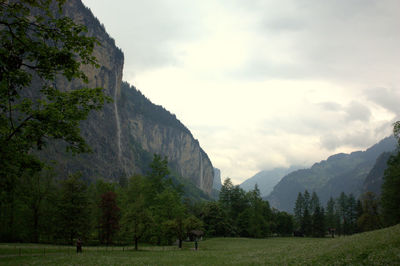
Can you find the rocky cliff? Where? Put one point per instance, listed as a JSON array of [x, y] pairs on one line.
[[217, 184], [125, 134]]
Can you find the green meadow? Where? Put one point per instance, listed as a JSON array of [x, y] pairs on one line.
[[381, 247]]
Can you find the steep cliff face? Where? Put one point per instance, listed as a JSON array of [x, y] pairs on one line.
[[122, 136], [155, 130]]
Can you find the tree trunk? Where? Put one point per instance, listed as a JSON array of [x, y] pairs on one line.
[[180, 243], [35, 225], [136, 243]]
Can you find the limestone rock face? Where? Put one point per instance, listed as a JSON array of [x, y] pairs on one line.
[[119, 136], [217, 179]]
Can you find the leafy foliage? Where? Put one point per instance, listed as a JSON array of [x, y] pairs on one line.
[[37, 45]]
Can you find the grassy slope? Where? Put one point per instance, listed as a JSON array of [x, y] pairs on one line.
[[380, 247]]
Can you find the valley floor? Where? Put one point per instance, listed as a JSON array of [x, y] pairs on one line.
[[381, 247]]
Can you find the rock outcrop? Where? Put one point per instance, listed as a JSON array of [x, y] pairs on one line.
[[123, 137]]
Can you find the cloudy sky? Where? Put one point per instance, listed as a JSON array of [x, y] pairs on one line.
[[265, 83]]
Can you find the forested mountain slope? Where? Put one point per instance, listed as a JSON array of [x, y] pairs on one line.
[[328, 178]]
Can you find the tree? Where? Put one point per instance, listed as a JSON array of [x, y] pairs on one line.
[[299, 210], [369, 219], [330, 213], [318, 222], [390, 197], [342, 203], [314, 202], [110, 215], [351, 213], [306, 223], [283, 223], [37, 48], [192, 223], [157, 178], [73, 209], [33, 189], [136, 217], [225, 193], [216, 220]]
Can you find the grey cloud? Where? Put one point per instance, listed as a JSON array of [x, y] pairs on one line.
[[356, 139], [339, 40], [386, 98], [357, 111], [330, 106]]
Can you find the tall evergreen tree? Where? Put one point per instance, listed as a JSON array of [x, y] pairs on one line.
[[318, 222], [314, 202], [306, 223], [330, 213], [299, 210]]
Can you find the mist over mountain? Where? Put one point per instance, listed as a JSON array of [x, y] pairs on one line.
[[328, 178], [266, 180]]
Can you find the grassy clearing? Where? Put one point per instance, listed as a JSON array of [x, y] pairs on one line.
[[380, 247]]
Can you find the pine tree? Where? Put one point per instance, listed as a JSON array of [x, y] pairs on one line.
[[299, 210], [318, 222]]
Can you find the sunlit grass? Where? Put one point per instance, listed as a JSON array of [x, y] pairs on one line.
[[380, 247]]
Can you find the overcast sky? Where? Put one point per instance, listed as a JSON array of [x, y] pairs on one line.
[[265, 83]]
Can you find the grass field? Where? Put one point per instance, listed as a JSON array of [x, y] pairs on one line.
[[380, 247]]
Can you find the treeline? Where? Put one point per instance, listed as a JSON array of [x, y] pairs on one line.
[[347, 215], [150, 208], [342, 216], [245, 214]]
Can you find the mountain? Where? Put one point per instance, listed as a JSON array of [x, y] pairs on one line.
[[126, 133], [217, 179], [374, 180], [266, 180], [339, 173]]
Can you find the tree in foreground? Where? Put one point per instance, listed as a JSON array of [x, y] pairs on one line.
[[38, 48]]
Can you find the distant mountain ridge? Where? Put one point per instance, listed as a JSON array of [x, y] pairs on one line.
[[267, 179], [328, 178]]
